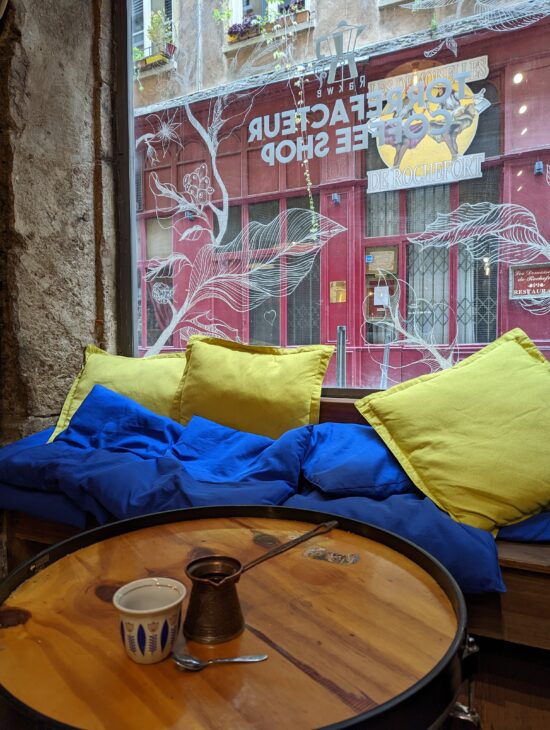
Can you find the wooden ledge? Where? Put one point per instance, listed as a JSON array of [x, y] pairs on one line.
[[532, 557]]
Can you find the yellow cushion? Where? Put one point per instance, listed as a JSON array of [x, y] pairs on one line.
[[263, 390], [474, 438], [152, 381]]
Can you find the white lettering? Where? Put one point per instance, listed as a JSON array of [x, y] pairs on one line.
[[360, 137], [395, 102], [291, 154], [339, 113], [375, 100], [268, 153], [289, 122], [274, 130], [255, 129], [438, 84], [323, 109], [321, 145], [343, 140], [305, 148], [357, 104], [420, 123]]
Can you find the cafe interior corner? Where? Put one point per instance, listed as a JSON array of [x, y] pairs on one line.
[[275, 297]]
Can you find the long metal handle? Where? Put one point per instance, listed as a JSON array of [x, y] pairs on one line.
[[237, 659], [319, 530]]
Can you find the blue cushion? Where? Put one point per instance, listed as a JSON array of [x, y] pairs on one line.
[[468, 553], [349, 459], [533, 529]]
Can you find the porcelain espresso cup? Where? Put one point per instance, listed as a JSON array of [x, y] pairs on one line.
[[150, 617]]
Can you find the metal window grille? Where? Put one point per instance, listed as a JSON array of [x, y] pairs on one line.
[[304, 303], [476, 316], [428, 293], [264, 320]]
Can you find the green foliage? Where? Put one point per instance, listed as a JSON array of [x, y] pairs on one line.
[[222, 12], [159, 32]]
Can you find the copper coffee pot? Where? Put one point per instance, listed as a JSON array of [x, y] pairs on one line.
[[214, 612]]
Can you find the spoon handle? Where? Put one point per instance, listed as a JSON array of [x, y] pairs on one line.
[[236, 659], [319, 530]]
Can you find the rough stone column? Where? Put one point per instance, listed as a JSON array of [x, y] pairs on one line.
[[57, 232]]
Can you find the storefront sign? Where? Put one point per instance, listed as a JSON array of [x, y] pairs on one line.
[[476, 69], [425, 137], [426, 173], [422, 129], [530, 281]]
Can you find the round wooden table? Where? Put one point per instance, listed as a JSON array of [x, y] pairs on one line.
[[362, 629]]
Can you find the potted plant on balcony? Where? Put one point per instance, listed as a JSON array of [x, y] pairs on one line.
[[295, 9], [249, 28], [159, 33]]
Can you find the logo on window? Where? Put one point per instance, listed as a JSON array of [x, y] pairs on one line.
[[428, 119], [338, 47]]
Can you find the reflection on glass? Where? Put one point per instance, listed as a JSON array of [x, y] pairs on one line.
[[409, 196]]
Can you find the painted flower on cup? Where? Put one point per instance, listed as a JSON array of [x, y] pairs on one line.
[[153, 626]]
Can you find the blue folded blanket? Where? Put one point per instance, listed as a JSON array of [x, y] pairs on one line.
[[118, 460]]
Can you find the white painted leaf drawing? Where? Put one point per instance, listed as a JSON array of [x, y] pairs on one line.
[[494, 233], [537, 305], [246, 272], [512, 229], [206, 324], [503, 16], [411, 331], [417, 5], [223, 272]]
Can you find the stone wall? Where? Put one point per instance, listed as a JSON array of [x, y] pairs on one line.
[[57, 232]]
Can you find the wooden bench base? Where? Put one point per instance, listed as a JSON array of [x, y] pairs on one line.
[[23, 536], [520, 615]]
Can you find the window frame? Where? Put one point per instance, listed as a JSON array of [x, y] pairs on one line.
[[271, 9]]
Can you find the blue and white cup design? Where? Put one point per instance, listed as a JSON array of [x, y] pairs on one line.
[[150, 617]]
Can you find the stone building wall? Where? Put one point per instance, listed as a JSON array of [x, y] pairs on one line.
[[57, 216], [202, 42]]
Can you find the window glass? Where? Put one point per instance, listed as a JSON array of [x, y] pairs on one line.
[[423, 205], [310, 166], [159, 238], [265, 324], [428, 294], [232, 234], [304, 302]]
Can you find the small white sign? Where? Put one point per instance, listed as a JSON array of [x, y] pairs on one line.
[[381, 296]]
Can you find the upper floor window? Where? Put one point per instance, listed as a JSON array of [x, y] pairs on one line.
[[151, 26], [270, 9]]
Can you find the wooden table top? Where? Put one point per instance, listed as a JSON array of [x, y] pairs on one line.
[[348, 623]]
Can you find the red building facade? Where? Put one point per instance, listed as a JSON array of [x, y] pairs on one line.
[[413, 294]]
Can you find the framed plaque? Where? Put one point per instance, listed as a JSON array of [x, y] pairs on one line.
[[528, 282], [381, 259]]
